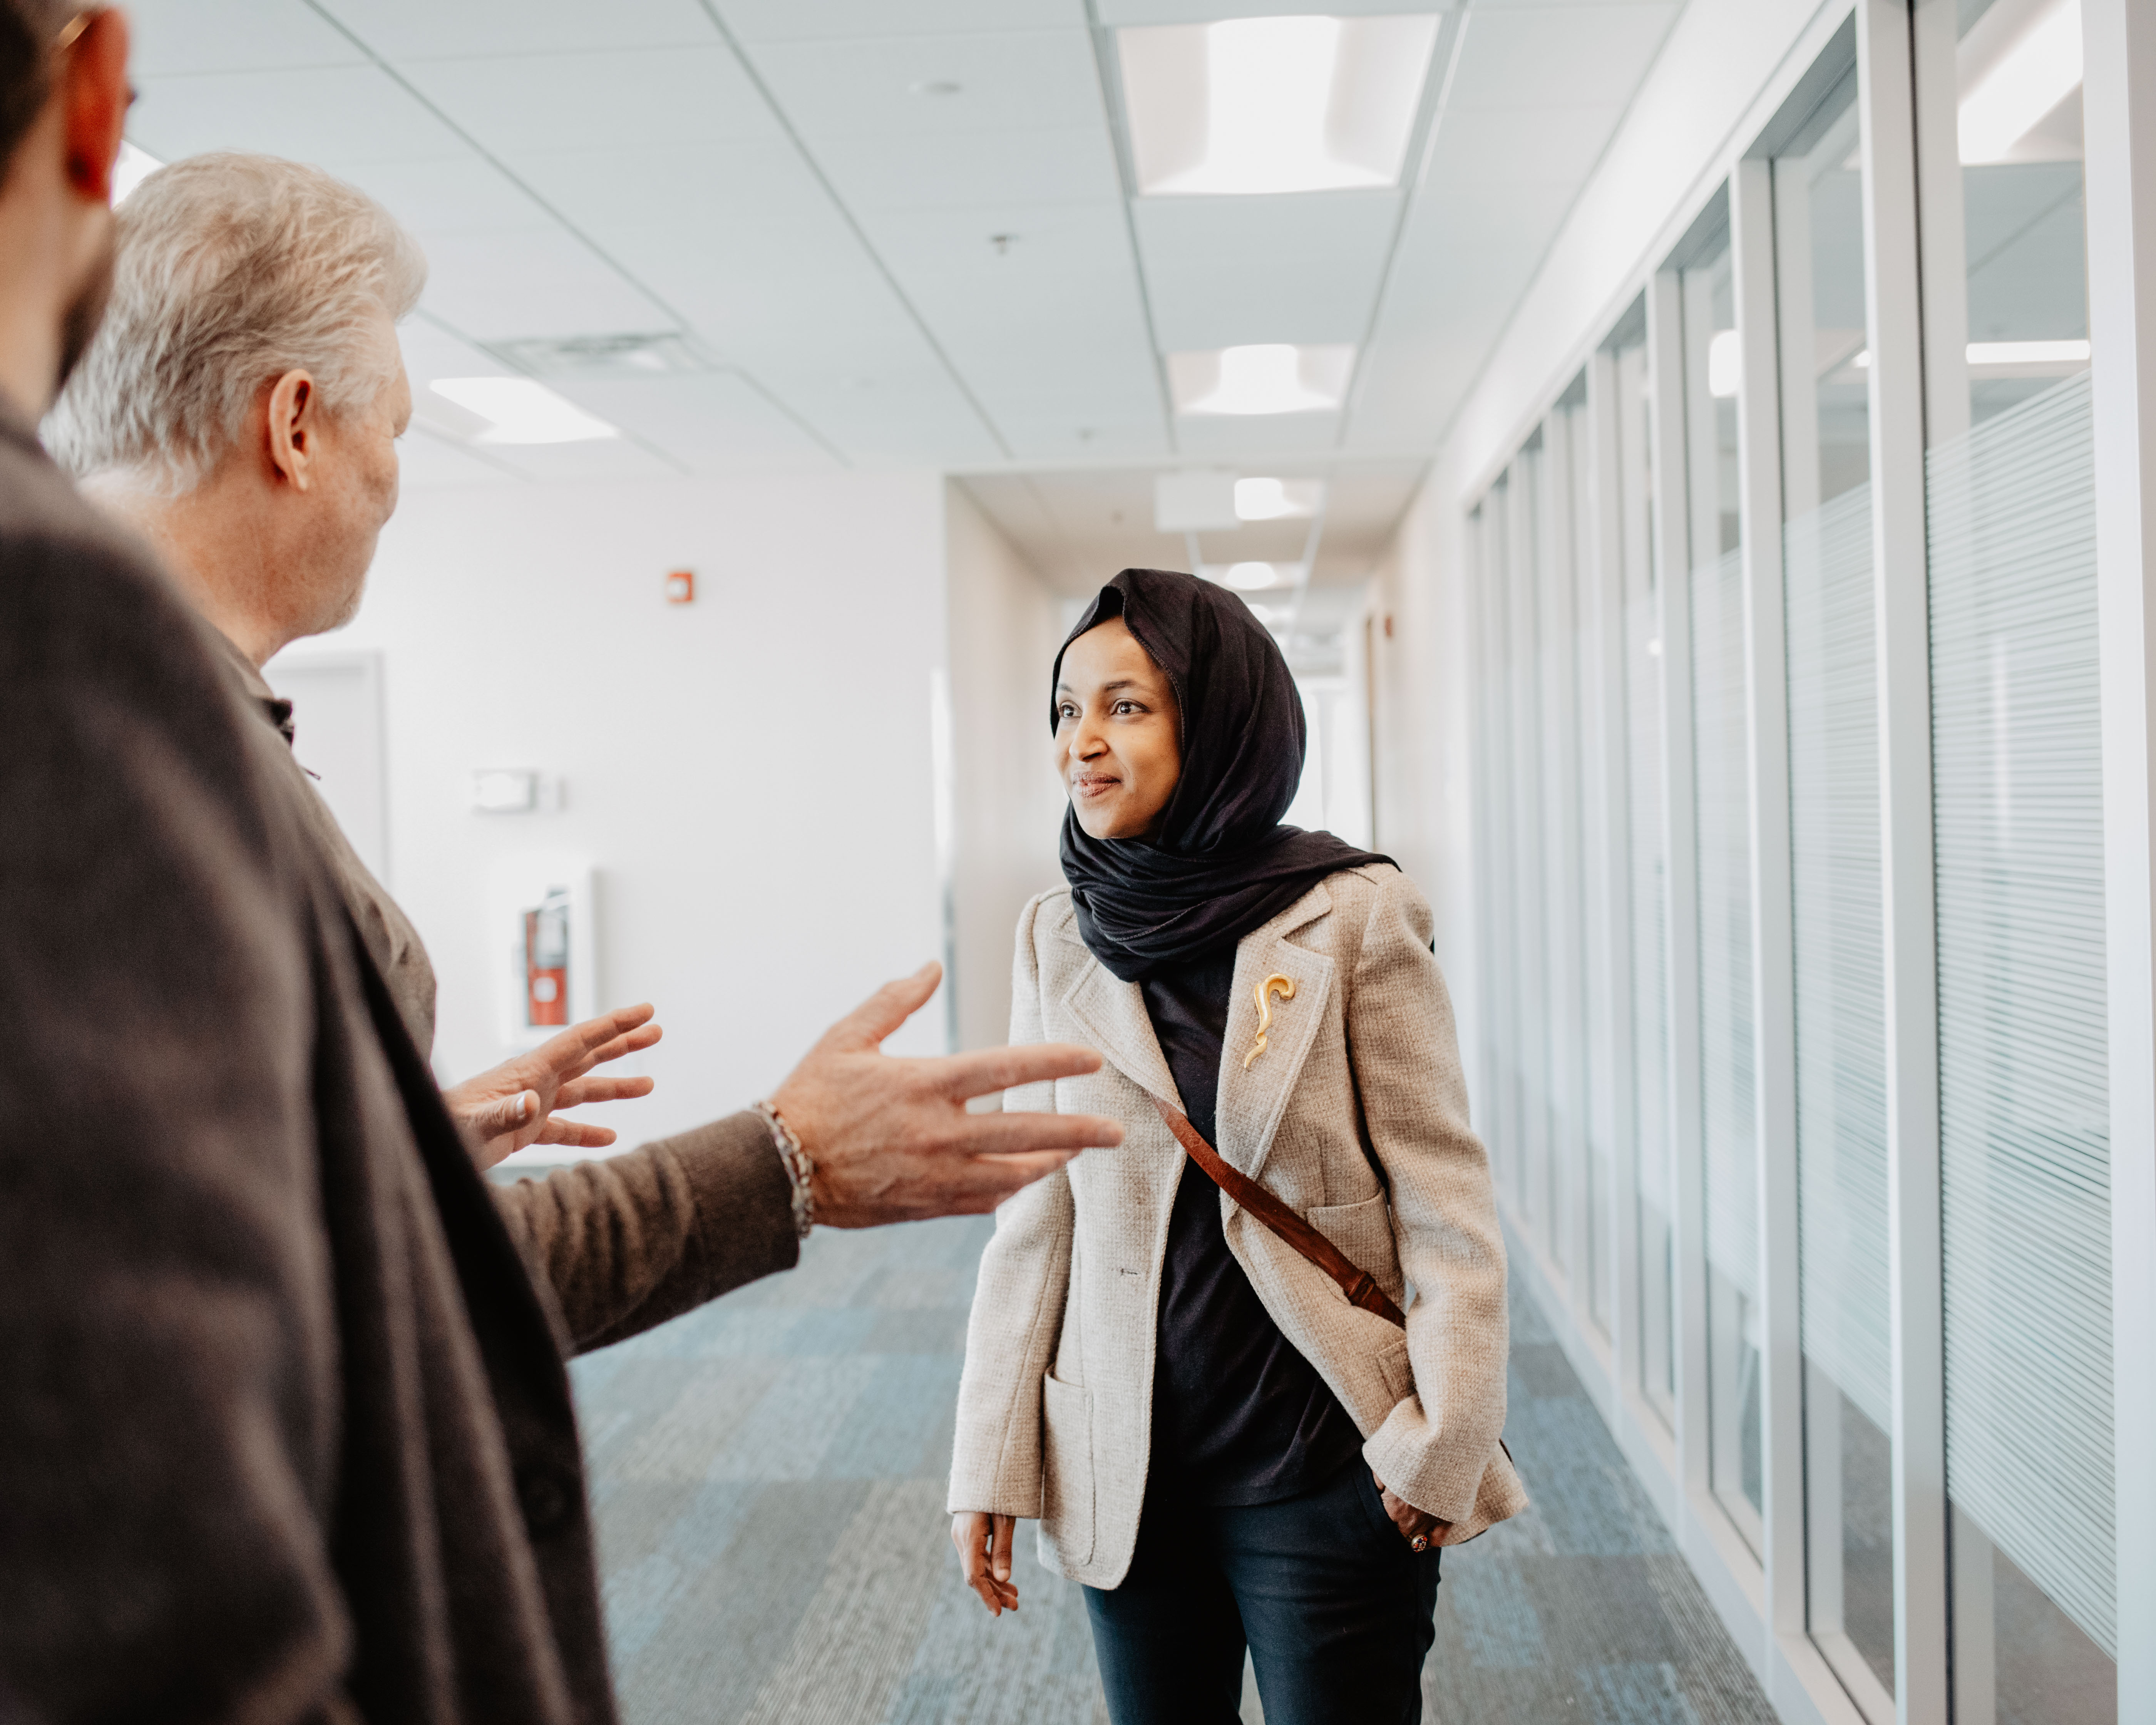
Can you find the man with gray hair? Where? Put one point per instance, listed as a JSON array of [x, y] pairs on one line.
[[240, 407], [286, 1433]]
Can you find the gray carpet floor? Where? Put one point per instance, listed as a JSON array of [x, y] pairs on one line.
[[768, 1475]]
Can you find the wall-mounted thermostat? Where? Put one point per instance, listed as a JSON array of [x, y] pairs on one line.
[[682, 587]]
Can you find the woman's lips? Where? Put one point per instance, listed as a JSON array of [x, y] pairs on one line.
[[1091, 787]]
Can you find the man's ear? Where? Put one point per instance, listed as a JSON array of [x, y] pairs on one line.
[[94, 88], [295, 429]]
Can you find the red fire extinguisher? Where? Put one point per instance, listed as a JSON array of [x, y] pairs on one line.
[[546, 960]]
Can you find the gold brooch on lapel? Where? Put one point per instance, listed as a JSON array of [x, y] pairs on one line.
[[1274, 985]]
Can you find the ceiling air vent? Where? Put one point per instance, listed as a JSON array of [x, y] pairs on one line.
[[670, 355]]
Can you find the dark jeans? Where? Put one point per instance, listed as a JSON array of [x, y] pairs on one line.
[[1337, 1611]]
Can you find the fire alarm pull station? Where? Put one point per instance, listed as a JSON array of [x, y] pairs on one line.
[[682, 587]]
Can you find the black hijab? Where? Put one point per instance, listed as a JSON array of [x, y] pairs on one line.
[[1223, 863]]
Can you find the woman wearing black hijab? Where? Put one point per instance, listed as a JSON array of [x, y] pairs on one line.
[[1223, 1448]]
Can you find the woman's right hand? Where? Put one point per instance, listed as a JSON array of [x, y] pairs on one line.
[[984, 1553]]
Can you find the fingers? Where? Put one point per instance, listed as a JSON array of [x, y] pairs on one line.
[[579, 1092], [558, 1131], [999, 1552], [982, 1073], [866, 1026], [972, 1533], [634, 1043], [503, 1114], [578, 1045], [1020, 1134]]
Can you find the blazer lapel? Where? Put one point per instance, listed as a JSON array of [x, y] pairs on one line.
[[1117, 1022], [1254, 1088]]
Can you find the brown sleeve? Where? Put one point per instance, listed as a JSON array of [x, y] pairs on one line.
[[168, 1337], [629, 1241]]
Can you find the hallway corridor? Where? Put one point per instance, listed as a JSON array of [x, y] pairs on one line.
[[768, 1476]]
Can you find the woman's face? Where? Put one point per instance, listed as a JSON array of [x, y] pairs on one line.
[[1117, 744]]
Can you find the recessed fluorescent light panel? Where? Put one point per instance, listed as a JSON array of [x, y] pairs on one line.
[[1251, 577], [2041, 69], [1267, 377], [517, 410], [1271, 105]]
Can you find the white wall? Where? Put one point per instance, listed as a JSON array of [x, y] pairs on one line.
[[1420, 678], [1005, 625], [750, 774]]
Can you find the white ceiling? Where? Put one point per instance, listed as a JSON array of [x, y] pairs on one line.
[[889, 271]]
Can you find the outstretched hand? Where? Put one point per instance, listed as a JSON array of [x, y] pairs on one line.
[[513, 1105], [891, 1139]]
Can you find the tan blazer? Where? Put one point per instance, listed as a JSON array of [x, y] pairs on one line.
[[1054, 1408]]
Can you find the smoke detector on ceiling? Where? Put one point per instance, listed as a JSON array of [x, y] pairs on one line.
[[670, 354]]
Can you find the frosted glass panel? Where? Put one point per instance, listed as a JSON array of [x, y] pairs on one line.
[[1840, 982], [1728, 1118], [2022, 1061], [1647, 864]]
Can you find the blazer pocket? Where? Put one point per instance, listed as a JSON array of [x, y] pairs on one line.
[[1067, 1511], [1364, 1232]]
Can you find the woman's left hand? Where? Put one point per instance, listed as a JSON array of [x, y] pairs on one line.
[[1420, 1528]]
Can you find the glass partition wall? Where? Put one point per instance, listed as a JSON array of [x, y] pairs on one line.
[[1836, 889], [2025, 1153], [1722, 804], [1624, 501]]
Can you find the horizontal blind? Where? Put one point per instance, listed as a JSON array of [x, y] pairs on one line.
[[1840, 977], [2023, 1100], [1731, 1132]]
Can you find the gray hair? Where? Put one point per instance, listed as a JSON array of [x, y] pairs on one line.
[[231, 271]]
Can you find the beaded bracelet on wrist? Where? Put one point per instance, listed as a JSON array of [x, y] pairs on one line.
[[800, 1170]]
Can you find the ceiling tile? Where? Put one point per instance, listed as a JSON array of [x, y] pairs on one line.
[[455, 194], [170, 36], [432, 351], [1508, 145], [607, 459], [1257, 436], [659, 97], [799, 20], [1201, 12], [1223, 271], [717, 420], [425, 461], [500, 287], [1556, 56], [962, 170], [884, 88], [420, 29], [348, 113]]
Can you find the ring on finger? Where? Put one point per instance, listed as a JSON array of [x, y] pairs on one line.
[[1419, 1543]]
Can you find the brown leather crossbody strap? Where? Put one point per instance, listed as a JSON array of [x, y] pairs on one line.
[[1358, 1284]]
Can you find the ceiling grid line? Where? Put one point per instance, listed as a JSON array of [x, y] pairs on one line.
[[1119, 136], [1422, 149], [575, 232], [853, 223]]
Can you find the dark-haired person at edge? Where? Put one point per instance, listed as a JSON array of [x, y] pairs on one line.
[[1219, 1446], [286, 1434]]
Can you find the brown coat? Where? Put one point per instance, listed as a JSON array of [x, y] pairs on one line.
[[285, 1429]]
